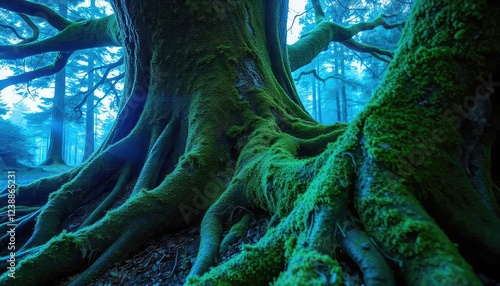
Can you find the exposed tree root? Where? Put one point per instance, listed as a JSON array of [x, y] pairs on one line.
[[395, 219], [374, 266], [211, 226], [24, 226], [110, 199], [237, 231], [237, 270]]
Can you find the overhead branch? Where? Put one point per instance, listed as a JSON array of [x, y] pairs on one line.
[[34, 28], [112, 65], [374, 51], [295, 18], [77, 36], [37, 10], [379, 21], [56, 66], [13, 30], [324, 79], [31, 24], [325, 32]]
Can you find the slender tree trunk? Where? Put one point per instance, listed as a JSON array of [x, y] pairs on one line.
[[343, 92], [89, 116], [55, 150], [55, 154], [320, 103]]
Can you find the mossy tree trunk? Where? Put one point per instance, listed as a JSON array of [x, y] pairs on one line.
[[212, 123]]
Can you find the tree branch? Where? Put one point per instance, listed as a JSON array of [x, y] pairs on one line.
[[37, 10], [323, 80], [34, 28], [58, 64], [77, 36], [31, 24], [8, 27], [311, 44]]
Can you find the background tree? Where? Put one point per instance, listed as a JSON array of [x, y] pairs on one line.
[[348, 76], [14, 144], [398, 188], [61, 111]]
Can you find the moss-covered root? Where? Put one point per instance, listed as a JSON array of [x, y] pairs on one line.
[[211, 226], [309, 254], [255, 265], [78, 191], [111, 239], [376, 271], [237, 231], [405, 232], [312, 266], [61, 255], [116, 253]]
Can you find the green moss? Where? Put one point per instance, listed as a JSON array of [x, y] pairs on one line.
[[255, 265], [308, 267]]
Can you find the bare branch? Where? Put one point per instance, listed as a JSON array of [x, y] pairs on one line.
[[37, 10], [31, 24], [34, 28], [8, 27], [104, 79], [375, 51], [56, 66], [296, 16], [379, 21], [323, 80]]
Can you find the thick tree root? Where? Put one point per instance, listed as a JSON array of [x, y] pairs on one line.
[[109, 240]]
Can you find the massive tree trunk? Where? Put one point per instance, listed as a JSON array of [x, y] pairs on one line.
[[212, 123]]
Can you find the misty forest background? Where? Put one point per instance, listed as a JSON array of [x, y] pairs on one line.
[[61, 119]]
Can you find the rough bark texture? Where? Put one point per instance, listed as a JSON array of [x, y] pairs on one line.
[[211, 123]]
